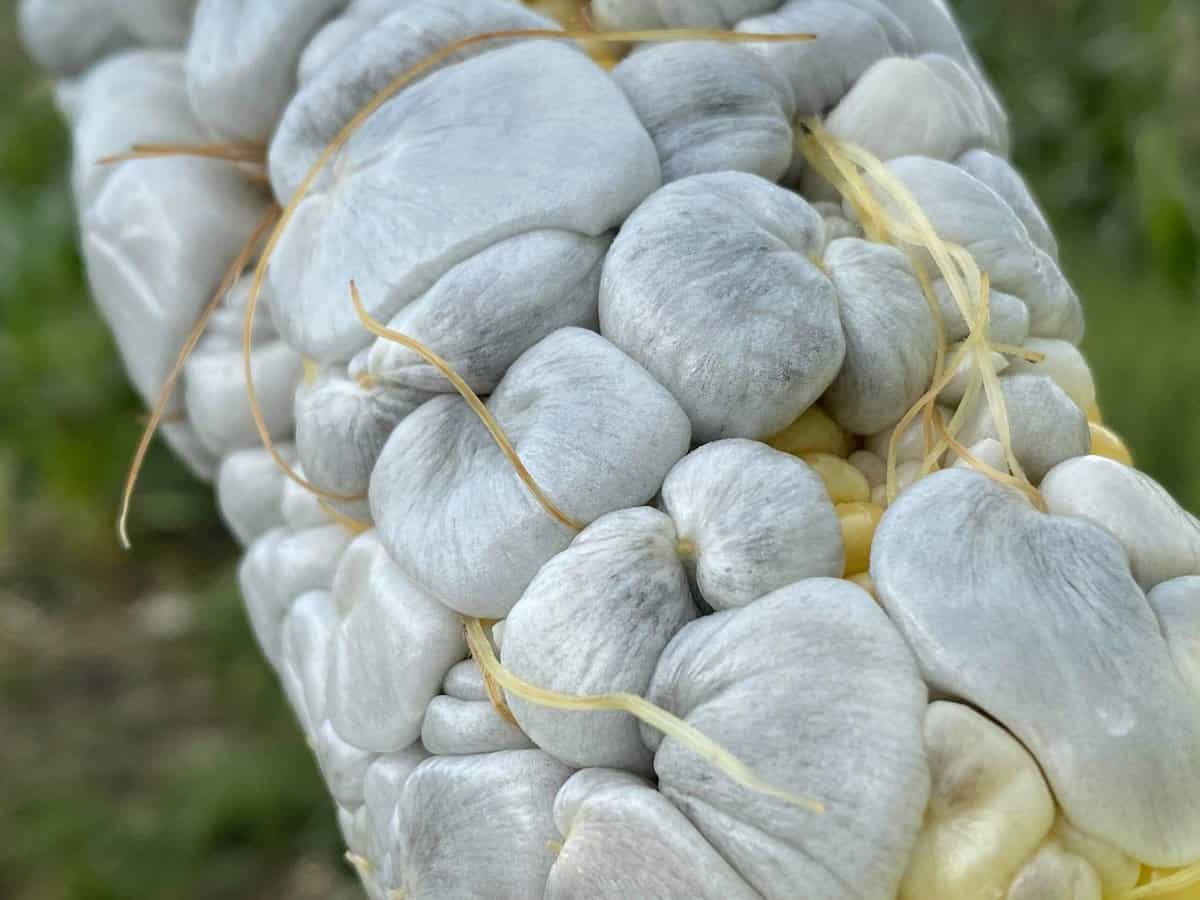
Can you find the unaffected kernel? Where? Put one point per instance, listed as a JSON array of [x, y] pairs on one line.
[[311, 370], [859, 521], [813, 432], [845, 483], [1149, 876], [1106, 442]]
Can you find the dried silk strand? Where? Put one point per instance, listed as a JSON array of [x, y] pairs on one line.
[[1168, 886], [397, 84], [164, 397], [260, 421], [477, 406], [962, 275], [639, 707], [480, 645], [351, 524], [847, 166], [494, 692], [235, 153]]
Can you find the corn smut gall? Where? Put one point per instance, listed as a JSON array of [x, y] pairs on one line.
[[863, 580]]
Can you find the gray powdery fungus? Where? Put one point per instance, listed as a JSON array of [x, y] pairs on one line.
[[359, 53], [751, 520], [157, 234], [250, 492], [708, 266], [67, 38], [1045, 426], [711, 108], [891, 341], [392, 647], [622, 839], [454, 727], [853, 36], [1037, 621], [491, 308], [1064, 363], [927, 106], [1161, 539], [594, 620], [815, 689], [1008, 319], [478, 826], [998, 174], [591, 425], [1177, 605], [414, 194], [279, 567], [241, 61], [605, 259], [214, 380], [342, 424], [965, 211]]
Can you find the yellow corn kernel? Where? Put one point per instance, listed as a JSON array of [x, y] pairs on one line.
[[605, 59], [1093, 414], [863, 580], [312, 369], [1106, 442], [1150, 876], [844, 482], [859, 521], [573, 16], [813, 432], [567, 13]]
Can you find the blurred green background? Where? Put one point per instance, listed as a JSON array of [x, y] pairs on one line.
[[144, 746]]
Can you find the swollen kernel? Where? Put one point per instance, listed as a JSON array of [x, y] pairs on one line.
[[845, 483], [859, 521], [1106, 442], [864, 581], [813, 432]]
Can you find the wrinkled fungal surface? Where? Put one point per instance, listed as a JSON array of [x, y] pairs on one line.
[[681, 513]]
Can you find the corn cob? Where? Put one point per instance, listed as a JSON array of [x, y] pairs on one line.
[[790, 434]]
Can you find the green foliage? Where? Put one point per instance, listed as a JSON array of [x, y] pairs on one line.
[[1102, 96], [146, 748], [143, 757]]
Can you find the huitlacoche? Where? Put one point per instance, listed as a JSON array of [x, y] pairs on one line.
[[646, 283]]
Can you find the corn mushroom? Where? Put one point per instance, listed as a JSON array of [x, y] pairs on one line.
[[625, 459]]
